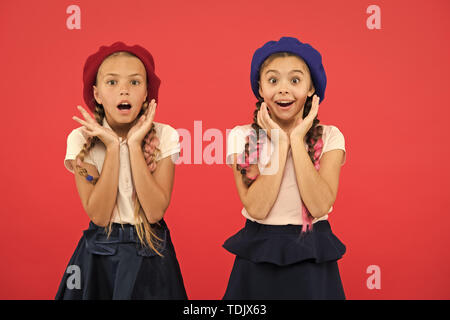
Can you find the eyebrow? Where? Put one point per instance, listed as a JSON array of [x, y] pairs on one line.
[[275, 71], [131, 75]]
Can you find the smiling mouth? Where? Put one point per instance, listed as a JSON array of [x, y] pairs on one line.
[[284, 104]]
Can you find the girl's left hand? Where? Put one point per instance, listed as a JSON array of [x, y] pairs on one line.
[[302, 126], [138, 132]]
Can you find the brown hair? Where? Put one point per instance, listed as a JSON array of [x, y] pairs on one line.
[[144, 230], [313, 135]]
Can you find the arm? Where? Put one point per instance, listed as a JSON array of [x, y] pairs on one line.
[[153, 190], [99, 200], [318, 189], [260, 197]]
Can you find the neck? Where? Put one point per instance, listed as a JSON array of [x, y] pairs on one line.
[[121, 129], [288, 125]]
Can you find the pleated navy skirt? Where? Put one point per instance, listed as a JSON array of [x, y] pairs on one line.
[[278, 262], [119, 267]]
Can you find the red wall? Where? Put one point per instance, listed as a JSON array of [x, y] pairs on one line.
[[386, 93]]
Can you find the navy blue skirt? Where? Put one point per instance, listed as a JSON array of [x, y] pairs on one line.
[[119, 267], [278, 262]]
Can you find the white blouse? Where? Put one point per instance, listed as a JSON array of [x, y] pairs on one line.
[[287, 208], [124, 209]]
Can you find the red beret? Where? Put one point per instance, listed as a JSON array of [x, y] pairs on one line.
[[94, 61]]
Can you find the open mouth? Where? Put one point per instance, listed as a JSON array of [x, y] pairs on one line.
[[284, 104], [124, 106]]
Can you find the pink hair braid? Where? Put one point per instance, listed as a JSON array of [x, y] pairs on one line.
[[306, 215]]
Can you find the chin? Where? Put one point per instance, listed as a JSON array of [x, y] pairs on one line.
[[286, 115]]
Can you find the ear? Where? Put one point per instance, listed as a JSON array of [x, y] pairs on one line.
[[311, 91], [97, 95], [259, 89]]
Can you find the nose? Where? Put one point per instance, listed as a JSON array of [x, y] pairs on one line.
[[282, 89], [124, 89]]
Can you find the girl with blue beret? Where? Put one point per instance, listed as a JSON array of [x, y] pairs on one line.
[[286, 168]]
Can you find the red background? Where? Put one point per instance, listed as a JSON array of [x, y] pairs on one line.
[[386, 92]]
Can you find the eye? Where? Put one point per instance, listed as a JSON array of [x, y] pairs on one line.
[[135, 82], [108, 82], [296, 80], [272, 80]]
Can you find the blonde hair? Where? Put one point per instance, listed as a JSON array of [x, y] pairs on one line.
[[144, 230]]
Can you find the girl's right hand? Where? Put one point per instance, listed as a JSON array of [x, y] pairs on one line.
[[265, 121], [92, 129]]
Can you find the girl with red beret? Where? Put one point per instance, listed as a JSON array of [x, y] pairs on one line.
[[123, 163]]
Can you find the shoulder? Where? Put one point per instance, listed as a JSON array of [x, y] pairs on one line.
[[236, 137], [331, 133], [75, 143], [329, 129], [168, 138], [166, 133], [240, 130], [76, 140], [162, 129], [76, 132], [76, 136], [333, 139], [236, 140]]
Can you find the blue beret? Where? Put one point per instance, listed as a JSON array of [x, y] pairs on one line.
[[311, 56]]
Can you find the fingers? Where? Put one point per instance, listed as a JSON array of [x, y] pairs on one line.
[[149, 114], [85, 114], [151, 110], [82, 122], [87, 128], [270, 124], [152, 103], [260, 118], [267, 119], [148, 105], [315, 107], [264, 117], [316, 101], [89, 123]]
